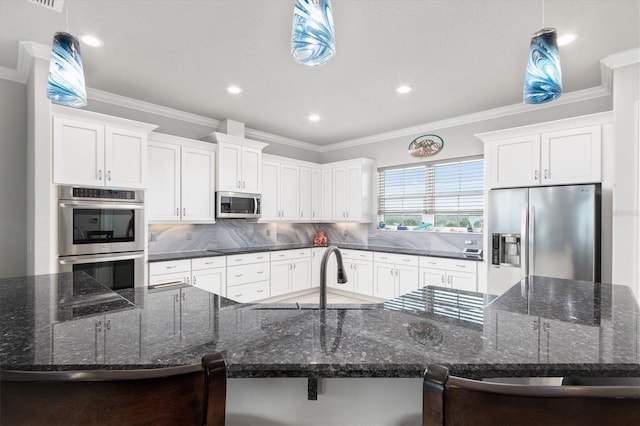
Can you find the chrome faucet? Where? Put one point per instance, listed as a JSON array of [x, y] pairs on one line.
[[342, 275]]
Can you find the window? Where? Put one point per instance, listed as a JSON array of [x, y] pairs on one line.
[[432, 196]]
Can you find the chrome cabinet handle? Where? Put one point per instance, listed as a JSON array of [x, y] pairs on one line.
[[392, 272], [238, 186], [546, 173], [244, 184], [108, 324], [184, 211], [535, 324], [170, 267], [99, 326], [194, 280], [177, 298], [442, 278], [99, 174], [184, 296], [177, 211], [108, 174], [535, 174], [186, 280]]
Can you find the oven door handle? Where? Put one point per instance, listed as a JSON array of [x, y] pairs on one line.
[[91, 205], [77, 260]]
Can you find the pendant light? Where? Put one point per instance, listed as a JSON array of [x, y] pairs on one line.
[[312, 35], [543, 80], [66, 74]]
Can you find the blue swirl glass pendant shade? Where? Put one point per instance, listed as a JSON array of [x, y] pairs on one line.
[[312, 37], [543, 81], [66, 74]]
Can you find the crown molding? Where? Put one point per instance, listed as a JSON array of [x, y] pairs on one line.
[[282, 140], [565, 99], [27, 51], [617, 60]]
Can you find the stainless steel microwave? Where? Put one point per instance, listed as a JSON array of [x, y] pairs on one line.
[[237, 205]]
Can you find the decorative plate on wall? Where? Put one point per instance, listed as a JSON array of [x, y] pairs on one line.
[[426, 146]]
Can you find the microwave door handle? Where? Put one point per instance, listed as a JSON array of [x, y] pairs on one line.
[[91, 205], [77, 260]]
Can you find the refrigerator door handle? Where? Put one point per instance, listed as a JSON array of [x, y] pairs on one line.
[[524, 242], [531, 241]]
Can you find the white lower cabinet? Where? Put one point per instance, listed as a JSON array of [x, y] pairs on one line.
[[248, 277], [290, 271], [97, 339], [174, 314], [394, 275], [450, 273], [210, 274], [359, 268]]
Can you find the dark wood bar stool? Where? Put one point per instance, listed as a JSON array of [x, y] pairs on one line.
[[454, 401], [185, 395]]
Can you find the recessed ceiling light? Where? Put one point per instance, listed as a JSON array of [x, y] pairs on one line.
[[314, 117], [90, 40], [234, 89], [403, 89], [566, 39]]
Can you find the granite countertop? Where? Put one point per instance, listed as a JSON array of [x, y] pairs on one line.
[[540, 327], [161, 257]]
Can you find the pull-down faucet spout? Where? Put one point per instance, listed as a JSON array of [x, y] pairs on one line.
[[342, 275]]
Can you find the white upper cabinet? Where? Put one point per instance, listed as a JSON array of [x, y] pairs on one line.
[[98, 150], [555, 153], [316, 193], [181, 180], [239, 167], [352, 190]]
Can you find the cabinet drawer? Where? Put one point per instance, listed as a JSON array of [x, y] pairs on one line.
[[245, 259], [177, 277], [249, 292], [448, 264], [398, 259], [208, 262], [170, 267], [290, 254], [244, 274], [357, 255]]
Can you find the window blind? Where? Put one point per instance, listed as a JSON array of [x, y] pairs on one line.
[[442, 188]]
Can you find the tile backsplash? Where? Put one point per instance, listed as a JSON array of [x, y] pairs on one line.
[[237, 233]]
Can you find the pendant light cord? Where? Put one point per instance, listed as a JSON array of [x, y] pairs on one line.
[[66, 17], [542, 13]]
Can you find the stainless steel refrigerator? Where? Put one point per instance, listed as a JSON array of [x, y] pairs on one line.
[[551, 231]]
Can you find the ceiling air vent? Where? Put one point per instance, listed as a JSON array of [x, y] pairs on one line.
[[56, 5]]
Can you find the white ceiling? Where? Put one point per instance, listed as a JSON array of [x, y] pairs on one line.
[[460, 57]]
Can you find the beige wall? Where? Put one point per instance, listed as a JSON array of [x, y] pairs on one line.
[[13, 186]]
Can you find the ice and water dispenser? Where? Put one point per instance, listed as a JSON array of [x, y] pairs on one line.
[[505, 249]]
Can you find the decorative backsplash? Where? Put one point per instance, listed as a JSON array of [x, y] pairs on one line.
[[237, 233]]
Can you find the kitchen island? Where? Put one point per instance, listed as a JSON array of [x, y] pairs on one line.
[[540, 327]]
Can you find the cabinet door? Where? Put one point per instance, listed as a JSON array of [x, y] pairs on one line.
[[515, 162], [384, 281], [270, 202], [301, 274], [125, 158], [326, 207], [280, 277], [161, 320], [229, 166], [78, 341], [354, 193], [251, 170], [289, 204], [305, 193], [198, 190], [407, 278], [340, 193], [517, 335], [462, 281], [195, 315], [567, 343], [122, 336], [316, 261], [571, 156], [212, 280], [364, 273], [432, 277], [78, 152], [163, 196], [352, 276], [316, 194]]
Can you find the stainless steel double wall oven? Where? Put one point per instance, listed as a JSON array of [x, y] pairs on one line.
[[101, 232]]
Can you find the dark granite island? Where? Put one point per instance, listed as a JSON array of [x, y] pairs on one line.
[[541, 327]]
